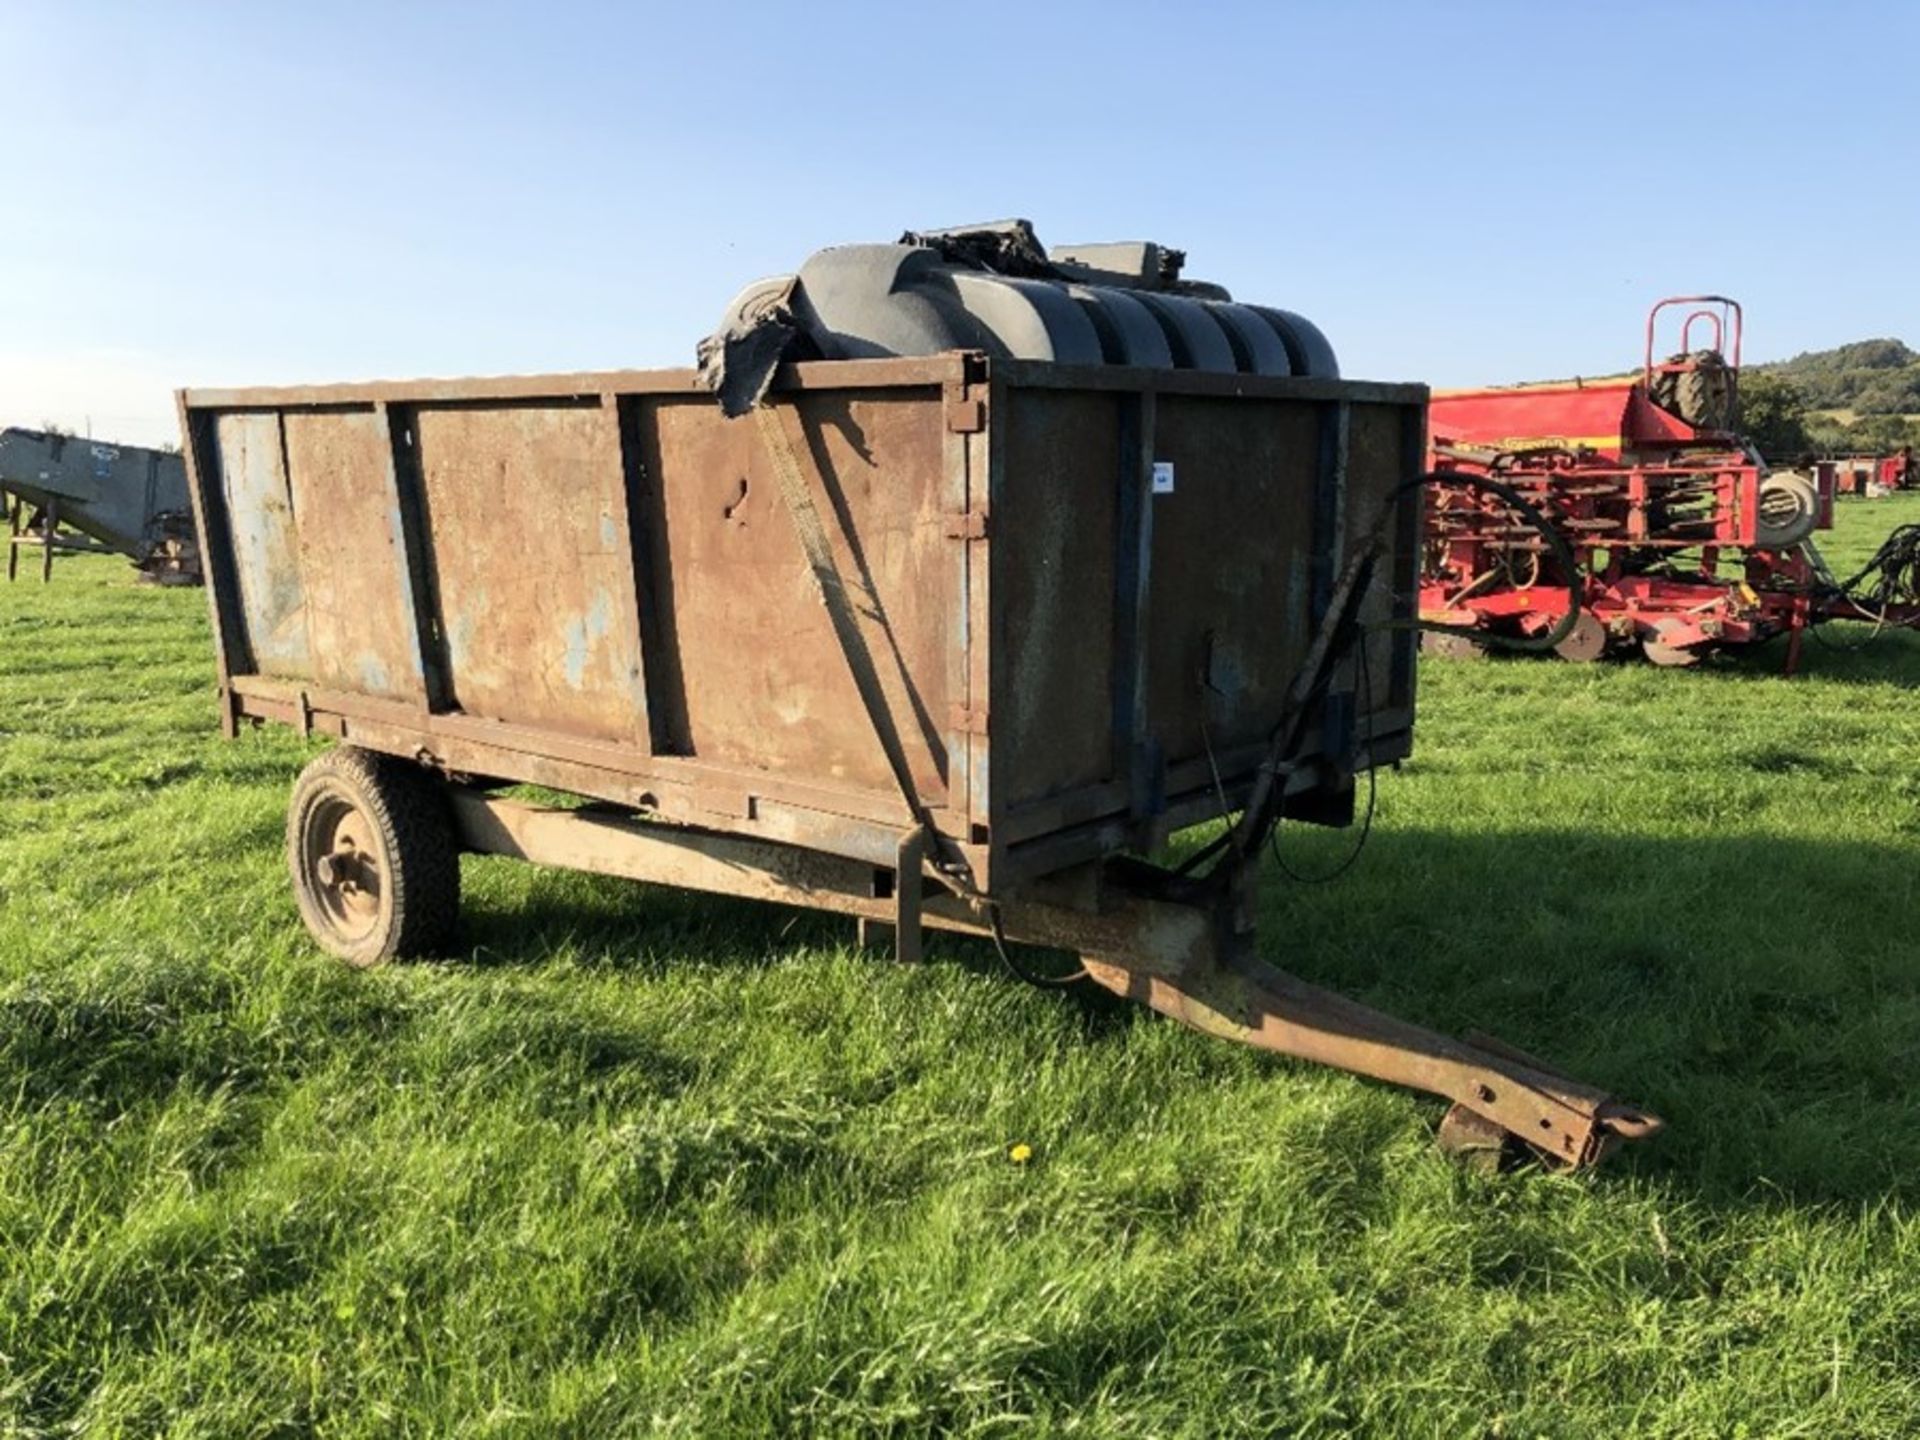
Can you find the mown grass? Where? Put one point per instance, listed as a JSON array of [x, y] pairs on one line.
[[650, 1163]]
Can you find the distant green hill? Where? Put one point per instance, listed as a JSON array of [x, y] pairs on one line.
[[1867, 377], [1863, 397]]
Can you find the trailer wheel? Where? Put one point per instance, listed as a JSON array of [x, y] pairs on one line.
[[376, 870]]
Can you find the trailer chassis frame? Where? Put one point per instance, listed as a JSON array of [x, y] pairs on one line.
[[1197, 964]]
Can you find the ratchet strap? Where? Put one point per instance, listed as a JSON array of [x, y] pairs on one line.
[[855, 610]]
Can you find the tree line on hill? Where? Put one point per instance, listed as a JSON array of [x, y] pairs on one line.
[[1786, 407]]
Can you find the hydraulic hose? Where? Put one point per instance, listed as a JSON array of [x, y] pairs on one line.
[[1338, 632]]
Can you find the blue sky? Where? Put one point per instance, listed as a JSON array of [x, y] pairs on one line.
[[1462, 192]]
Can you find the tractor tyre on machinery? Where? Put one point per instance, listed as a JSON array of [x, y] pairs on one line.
[[373, 856], [1789, 510], [1701, 396]]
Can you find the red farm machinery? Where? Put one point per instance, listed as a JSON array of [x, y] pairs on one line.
[[1682, 541], [1874, 475]]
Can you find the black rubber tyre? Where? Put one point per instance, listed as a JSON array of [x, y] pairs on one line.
[[1701, 396], [371, 849]]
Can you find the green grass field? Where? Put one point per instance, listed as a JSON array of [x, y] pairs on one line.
[[644, 1162]]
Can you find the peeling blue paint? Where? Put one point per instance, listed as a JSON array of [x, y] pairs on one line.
[[583, 637], [460, 641], [373, 673], [266, 556], [574, 661]]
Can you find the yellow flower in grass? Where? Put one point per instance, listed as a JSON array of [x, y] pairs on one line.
[[1020, 1153]]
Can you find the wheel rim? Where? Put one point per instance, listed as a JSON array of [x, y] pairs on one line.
[[345, 866]]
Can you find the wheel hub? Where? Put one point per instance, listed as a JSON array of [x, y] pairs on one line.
[[345, 863]]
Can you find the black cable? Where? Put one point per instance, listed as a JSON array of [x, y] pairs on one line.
[[1225, 839], [1894, 571], [1373, 799], [1019, 971], [1569, 567], [1537, 521], [1890, 580], [1815, 624], [1339, 629]]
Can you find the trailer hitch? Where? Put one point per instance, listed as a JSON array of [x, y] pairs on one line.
[[1499, 1103], [1200, 967]]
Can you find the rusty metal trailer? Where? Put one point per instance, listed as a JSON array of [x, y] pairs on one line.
[[946, 642]]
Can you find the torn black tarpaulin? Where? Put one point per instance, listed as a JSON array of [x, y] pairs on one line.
[[737, 361], [994, 290]]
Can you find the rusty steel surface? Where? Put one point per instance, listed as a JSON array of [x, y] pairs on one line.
[[359, 609], [263, 543], [1054, 552], [1232, 568], [750, 675], [811, 375], [530, 564], [596, 577]]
